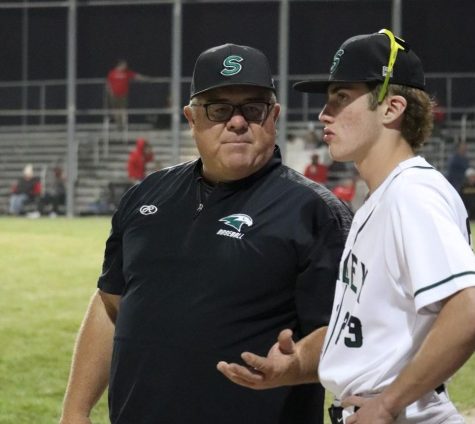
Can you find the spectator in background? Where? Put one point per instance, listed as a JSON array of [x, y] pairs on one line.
[[137, 162], [296, 155], [316, 171], [138, 159], [468, 192], [345, 191], [439, 119], [26, 190], [312, 137], [118, 80], [457, 165], [55, 197]]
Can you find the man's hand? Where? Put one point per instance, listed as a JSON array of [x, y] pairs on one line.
[[371, 411], [279, 368]]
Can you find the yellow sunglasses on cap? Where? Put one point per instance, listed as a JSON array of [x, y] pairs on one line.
[[396, 44]]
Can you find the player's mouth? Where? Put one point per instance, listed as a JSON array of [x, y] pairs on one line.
[[328, 135]]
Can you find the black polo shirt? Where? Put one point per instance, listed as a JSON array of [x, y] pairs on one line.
[[204, 278]]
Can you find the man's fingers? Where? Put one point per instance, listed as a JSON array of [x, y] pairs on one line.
[[255, 362], [241, 375], [286, 344]]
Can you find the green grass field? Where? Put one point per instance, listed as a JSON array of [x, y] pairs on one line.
[[49, 271]]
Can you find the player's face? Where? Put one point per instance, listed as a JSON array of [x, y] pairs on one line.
[[351, 128], [235, 148]]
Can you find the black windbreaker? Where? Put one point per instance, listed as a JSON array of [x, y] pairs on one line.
[[203, 280]]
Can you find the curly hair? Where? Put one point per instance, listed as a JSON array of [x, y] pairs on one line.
[[418, 119]]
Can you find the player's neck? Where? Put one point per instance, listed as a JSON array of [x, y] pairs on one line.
[[382, 160]]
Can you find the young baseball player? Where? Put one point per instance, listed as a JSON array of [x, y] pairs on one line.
[[403, 318]]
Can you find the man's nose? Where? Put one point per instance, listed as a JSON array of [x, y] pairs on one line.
[[237, 120]]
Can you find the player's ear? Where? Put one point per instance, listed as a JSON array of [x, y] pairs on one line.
[[394, 107]]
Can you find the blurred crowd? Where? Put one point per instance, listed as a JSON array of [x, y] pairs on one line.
[[309, 155]]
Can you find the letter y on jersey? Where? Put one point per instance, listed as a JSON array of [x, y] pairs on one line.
[[353, 273]]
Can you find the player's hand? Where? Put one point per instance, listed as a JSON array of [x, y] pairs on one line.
[[275, 370], [371, 411]]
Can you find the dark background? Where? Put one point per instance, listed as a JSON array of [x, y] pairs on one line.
[[442, 32]]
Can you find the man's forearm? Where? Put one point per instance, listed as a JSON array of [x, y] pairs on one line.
[[89, 374]]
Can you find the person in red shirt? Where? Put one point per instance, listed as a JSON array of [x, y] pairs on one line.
[[345, 191], [138, 159], [316, 171], [118, 80]]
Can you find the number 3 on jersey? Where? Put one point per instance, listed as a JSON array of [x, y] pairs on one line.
[[351, 325]]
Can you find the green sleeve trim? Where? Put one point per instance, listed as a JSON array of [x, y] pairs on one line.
[[443, 282]]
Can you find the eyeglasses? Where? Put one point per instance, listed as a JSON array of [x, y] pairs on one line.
[[222, 112], [396, 45]]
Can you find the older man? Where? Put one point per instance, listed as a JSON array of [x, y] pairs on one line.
[[206, 259]]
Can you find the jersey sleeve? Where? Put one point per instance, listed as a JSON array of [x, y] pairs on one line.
[[430, 243]]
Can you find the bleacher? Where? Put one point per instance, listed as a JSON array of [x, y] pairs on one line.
[[100, 161]]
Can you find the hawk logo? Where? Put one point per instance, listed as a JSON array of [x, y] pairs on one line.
[[336, 60], [232, 65], [237, 220]]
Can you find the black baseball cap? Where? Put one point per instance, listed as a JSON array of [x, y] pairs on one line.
[[365, 58], [230, 64]]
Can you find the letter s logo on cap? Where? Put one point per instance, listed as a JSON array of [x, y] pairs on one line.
[[336, 60], [232, 65]]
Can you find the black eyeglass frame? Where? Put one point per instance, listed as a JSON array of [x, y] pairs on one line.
[[269, 106]]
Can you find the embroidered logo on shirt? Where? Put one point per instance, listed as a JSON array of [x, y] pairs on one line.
[[148, 209], [235, 221]]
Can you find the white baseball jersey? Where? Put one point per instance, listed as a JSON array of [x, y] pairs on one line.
[[408, 248]]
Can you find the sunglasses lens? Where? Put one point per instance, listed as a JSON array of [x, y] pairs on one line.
[[219, 112], [254, 111]]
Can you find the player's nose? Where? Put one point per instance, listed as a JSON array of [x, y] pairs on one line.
[[325, 116]]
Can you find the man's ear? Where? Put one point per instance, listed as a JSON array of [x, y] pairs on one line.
[[394, 108], [188, 112], [276, 112]]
